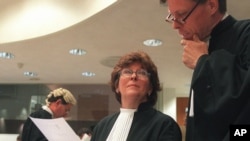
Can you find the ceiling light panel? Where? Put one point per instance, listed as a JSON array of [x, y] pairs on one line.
[[152, 42], [88, 74], [77, 52], [6, 55], [30, 74]]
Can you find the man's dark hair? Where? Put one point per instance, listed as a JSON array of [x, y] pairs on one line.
[[222, 4]]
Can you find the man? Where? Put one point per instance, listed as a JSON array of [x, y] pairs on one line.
[[58, 104], [217, 47]]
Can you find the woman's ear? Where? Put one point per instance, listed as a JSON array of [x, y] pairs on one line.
[[150, 91]]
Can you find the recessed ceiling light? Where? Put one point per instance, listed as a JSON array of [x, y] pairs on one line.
[[77, 52], [88, 74], [6, 55], [152, 42], [30, 74]]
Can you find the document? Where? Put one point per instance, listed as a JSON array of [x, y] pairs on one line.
[[56, 129]]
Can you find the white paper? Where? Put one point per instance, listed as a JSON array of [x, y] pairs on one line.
[[56, 129], [191, 110]]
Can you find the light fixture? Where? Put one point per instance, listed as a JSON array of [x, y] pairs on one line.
[[152, 42], [30, 74], [77, 52], [17, 19], [6, 55], [88, 74]]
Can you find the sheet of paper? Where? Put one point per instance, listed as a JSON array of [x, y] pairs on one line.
[[56, 129]]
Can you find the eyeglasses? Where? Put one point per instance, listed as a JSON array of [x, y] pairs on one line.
[[139, 73], [170, 18]]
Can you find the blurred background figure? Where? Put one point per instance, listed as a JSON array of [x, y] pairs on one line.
[[84, 134]]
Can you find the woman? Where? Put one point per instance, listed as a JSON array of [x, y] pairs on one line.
[[135, 83]]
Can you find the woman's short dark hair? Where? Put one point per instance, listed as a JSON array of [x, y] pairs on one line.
[[147, 64]]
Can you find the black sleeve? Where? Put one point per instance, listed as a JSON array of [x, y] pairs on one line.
[[31, 132]]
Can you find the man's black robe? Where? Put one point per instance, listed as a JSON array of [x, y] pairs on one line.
[[30, 130], [221, 83]]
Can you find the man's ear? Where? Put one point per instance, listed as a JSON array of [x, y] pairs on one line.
[[58, 101], [213, 6]]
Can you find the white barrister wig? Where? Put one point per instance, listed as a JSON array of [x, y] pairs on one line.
[[61, 92]]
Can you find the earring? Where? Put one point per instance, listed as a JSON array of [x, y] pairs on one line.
[[149, 93], [117, 90]]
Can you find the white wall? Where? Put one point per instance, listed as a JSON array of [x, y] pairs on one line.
[[169, 101]]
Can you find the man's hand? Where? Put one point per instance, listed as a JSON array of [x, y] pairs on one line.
[[192, 51]]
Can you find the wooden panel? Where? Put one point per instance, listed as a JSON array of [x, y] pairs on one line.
[[92, 107], [181, 106]]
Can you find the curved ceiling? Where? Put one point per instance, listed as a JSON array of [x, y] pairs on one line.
[[25, 19]]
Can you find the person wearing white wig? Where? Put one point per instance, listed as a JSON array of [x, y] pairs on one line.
[[58, 104]]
